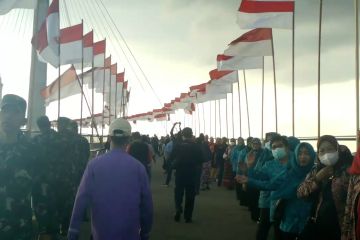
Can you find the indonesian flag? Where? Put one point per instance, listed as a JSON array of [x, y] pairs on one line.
[[223, 77], [69, 86], [214, 89], [238, 62], [88, 42], [110, 88], [99, 53], [201, 88], [7, 5], [161, 117], [46, 41], [120, 77], [102, 77], [266, 14], [254, 43], [190, 108], [71, 44]]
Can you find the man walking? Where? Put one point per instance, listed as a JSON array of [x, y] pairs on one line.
[[188, 159], [18, 170], [116, 188]]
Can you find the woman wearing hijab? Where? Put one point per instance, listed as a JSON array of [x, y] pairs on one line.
[[327, 185], [352, 210], [228, 179], [295, 211], [266, 179]]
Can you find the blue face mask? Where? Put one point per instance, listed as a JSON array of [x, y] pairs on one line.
[[279, 153]]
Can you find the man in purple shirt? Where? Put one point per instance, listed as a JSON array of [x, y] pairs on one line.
[[116, 188]]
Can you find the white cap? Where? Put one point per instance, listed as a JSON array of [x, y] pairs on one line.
[[120, 128]]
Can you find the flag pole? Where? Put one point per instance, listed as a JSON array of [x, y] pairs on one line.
[[262, 99], [238, 84], [203, 113], [122, 110], [275, 93], [319, 66], [87, 104], [210, 132], [59, 73], [247, 103], [232, 110], [293, 72], [220, 116], [93, 124], [198, 118], [82, 83], [103, 103], [116, 87], [226, 115], [215, 120], [110, 94], [357, 68]]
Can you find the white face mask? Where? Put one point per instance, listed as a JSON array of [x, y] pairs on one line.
[[329, 159], [267, 146]]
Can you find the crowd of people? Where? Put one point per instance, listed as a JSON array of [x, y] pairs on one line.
[[287, 185], [47, 182]]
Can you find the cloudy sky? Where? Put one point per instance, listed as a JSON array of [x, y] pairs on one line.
[[176, 43]]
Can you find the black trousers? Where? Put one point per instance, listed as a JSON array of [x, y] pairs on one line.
[[169, 172], [189, 189], [264, 225]]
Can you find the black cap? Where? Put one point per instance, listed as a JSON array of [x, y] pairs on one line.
[[14, 101]]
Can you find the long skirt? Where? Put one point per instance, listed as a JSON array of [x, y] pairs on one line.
[[228, 180], [205, 177]]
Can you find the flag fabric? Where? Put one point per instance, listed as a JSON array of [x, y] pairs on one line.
[[255, 43], [266, 14], [238, 62], [7, 5], [88, 42], [99, 53], [46, 41], [161, 117], [71, 44], [223, 77], [69, 86], [214, 89], [190, 108]]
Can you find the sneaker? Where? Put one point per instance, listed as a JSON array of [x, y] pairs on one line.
[[177, 217], [188, 220]]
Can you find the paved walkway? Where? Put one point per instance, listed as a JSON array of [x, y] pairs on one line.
[[217, 215]]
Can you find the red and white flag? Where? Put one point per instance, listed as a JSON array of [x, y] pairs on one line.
[[99, 53], [255, 43], [215, 89], [238, 62], [69, 86], [71, 44], [7, 5], [88, 42], [161, 117], [190, 108], [223, 77], [266, 14], [46, 41]]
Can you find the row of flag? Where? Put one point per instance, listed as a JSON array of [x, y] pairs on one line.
[[246, 52], [71, 46]]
